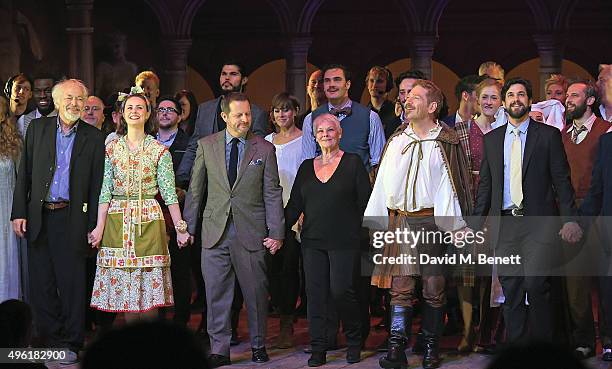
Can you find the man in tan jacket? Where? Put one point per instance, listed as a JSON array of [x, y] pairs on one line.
[[235, 178]]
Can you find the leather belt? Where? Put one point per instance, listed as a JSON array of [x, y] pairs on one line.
[[516, 212], [426, 212], [56, 205]]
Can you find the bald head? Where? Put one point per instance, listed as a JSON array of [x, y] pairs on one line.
[[93, 112]]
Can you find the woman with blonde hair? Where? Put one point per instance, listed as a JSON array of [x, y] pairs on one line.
[[10, 150]]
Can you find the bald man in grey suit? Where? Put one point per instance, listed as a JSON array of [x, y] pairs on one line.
[[235, 178]]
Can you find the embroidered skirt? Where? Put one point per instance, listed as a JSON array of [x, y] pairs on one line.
[[133, 264]]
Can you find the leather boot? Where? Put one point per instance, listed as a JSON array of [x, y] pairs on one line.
[[433, 325], [401, 325], [431, 357], [285, 337]]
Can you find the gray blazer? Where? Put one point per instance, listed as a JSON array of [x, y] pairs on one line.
[[255, 201], [206, 124]]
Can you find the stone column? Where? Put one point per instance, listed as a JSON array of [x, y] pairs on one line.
[[421, 53], [80, 41], [176, 52], [550, 49], [296, 55]]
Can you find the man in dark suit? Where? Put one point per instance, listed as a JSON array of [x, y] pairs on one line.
[[598, 202], [235, 179], [55, 206], [169, 116], [525, 174], [209, 121]]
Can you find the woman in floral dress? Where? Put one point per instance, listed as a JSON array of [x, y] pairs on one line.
[[133, 264]]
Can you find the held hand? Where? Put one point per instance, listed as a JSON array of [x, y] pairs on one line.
[[571, 232], [272, 245], [95, 237], [300, 222], [183, 239], [19, 226]]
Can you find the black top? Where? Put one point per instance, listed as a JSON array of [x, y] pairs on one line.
[[387, 116], [333, 210]]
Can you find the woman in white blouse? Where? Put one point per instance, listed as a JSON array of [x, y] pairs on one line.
[[283, 266]]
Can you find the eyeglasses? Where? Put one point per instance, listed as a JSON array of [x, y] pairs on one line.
[[166, 110], [92, 108]]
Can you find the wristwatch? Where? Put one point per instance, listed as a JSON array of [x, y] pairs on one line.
[[181, 226]]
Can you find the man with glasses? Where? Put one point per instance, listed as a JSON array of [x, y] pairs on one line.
[[169, 116], [93, 112], [43, 101]]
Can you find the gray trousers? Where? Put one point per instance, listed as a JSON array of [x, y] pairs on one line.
[[221, 264]]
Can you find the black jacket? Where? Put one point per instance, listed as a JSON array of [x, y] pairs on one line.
[[36, 170], [547, 188]]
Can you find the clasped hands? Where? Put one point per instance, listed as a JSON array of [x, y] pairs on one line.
[[571, 232], [272, 245]]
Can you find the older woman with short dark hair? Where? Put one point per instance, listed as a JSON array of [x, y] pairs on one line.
[[332, 191]]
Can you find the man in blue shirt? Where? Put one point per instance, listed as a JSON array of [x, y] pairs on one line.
[[362, 129], [526, 192], [55, 206]]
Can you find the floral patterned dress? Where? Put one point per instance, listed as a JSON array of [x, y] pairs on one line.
[[133, 264]]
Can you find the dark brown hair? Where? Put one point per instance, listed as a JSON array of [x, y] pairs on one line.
[[284, 100], [150, 126], [233, 96]]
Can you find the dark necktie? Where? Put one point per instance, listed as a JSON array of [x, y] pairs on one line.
[[576, 132], [344, 111], [233, 162]]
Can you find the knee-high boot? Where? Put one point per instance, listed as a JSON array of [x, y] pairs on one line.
[[401, 325], [433, 324]]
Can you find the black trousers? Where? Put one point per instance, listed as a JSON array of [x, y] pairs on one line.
[[605, 310], [283, 275], [332, 273], [521, 280], [57, 283], [181, 280]]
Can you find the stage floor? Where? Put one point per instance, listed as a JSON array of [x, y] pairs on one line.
[[295, 358]]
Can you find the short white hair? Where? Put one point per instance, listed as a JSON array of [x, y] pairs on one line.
[[58, 89], [330, 118]]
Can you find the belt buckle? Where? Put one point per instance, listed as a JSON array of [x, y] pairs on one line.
[[515, 212]]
